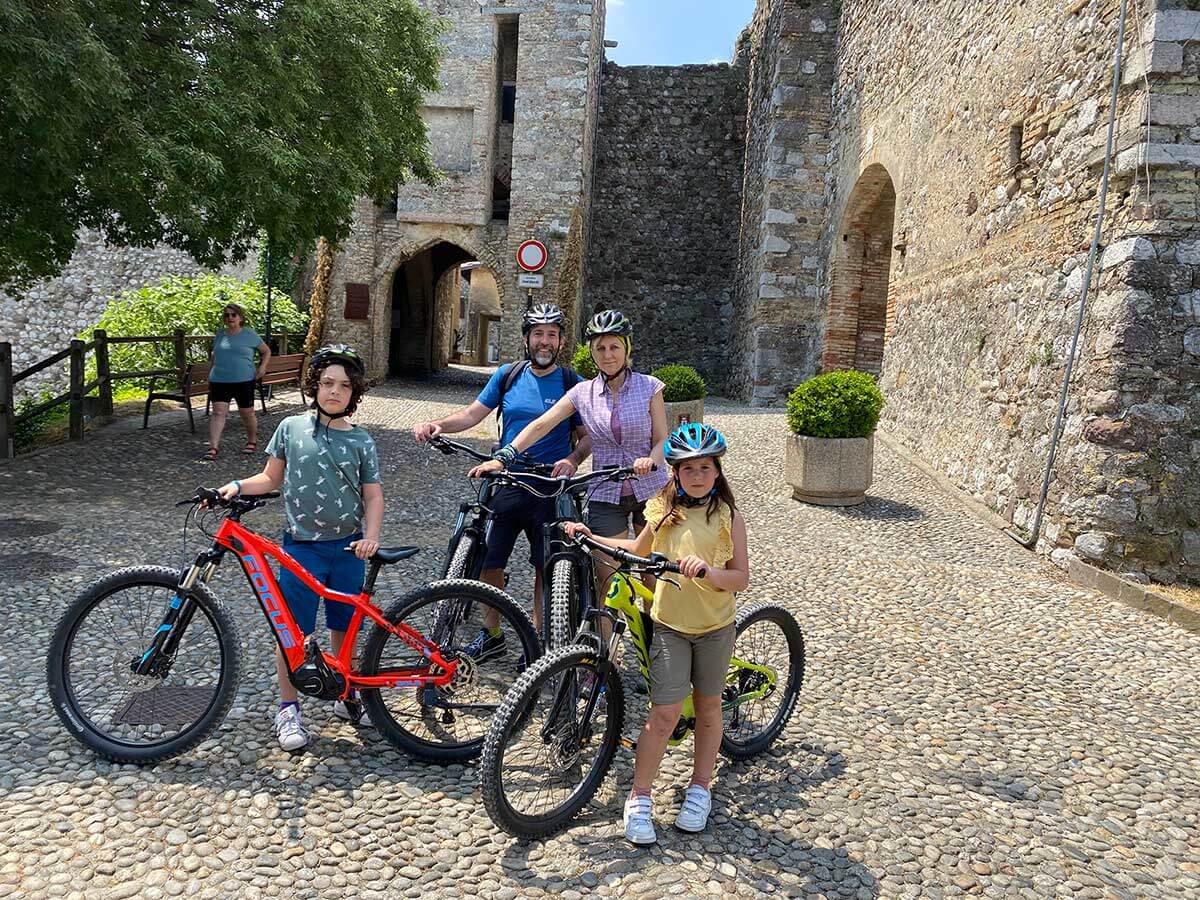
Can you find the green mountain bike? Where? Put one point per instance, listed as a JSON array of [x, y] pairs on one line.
[[553, 739]]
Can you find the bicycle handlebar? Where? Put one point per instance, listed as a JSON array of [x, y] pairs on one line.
[[655, 563], [449, 447], [210, 497], [562, 484]]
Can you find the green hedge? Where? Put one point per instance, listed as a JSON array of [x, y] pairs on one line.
[[683, 383], [193, 304], [835, 405], [583, 363]]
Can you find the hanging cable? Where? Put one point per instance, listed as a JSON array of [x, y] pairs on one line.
[[1031, 538]]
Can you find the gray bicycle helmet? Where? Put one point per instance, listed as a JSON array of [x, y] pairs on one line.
[[609, 321], [543, 314]]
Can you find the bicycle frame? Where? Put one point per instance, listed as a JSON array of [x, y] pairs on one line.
[[622, 591], [252, 550]]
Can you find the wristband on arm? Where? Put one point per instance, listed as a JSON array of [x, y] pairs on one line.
[[506, 455]]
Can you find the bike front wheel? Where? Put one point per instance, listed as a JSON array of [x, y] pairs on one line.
[[447, 724], [562, 623], [133, 718], [764, 679], [544, 757]]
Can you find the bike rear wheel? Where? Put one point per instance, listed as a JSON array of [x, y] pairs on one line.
[[754, 711], [446, 724], [134, 718], [542, 763]]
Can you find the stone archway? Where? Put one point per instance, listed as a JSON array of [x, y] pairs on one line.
[[859, 312], [420, 282]]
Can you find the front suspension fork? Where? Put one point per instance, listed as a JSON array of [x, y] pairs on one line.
[[163, 646]]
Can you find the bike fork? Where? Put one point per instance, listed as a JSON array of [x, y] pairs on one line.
[[175, 621]]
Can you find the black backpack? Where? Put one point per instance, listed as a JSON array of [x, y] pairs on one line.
[[570, 379]]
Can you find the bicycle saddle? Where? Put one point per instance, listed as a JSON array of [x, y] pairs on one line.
[[388, 555]]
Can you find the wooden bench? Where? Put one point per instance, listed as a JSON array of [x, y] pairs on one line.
[[281, 370], [194, 383]]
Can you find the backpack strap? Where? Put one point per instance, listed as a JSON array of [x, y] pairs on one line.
[[570, 379], [510, 378]]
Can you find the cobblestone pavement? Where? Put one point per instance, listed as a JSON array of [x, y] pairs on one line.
[[970, 722]]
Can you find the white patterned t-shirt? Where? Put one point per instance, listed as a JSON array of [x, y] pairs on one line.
[[323, 476]]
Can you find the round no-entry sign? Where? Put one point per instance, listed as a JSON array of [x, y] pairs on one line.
[[531, 256]]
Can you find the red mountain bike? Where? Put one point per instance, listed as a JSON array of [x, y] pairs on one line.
[[144, 665]]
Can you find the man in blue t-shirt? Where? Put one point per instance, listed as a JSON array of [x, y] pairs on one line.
[[538, 387]]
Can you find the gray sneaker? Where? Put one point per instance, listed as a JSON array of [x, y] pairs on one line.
[[289, 729]]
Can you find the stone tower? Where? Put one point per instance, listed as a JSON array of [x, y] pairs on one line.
[[512, 129]]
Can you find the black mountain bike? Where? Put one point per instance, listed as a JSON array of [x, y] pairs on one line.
[[467, 549], [568, 577]]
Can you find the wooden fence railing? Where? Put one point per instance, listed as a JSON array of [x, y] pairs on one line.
[[82, 405]]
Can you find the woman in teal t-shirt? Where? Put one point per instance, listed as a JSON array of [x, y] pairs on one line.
[[232, 377]]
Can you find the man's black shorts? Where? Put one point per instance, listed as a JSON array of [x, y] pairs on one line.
[[517, 511], [227, 391]]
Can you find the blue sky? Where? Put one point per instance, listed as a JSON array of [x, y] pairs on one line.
[[671, 32]]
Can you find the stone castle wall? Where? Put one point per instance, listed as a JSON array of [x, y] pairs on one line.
[[986, 123], [42, 320], [779, 304], [667, 196]]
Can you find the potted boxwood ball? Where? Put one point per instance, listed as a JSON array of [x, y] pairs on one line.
[[683, 394], [829, 456]]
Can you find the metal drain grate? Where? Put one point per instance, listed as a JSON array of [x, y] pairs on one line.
[[167, 705], [15, 529], [33, 565]]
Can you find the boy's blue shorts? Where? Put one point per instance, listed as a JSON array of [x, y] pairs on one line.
[[334, 567]]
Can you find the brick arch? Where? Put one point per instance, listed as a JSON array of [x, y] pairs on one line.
[[859, 311]]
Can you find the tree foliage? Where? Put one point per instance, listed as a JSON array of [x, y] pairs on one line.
[[199, 122]]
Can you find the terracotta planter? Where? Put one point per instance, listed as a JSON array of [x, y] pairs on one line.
[[829, 471], [692, 409]]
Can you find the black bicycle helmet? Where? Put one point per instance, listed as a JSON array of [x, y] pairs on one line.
[[543, 314], [610, 321], [695, 440], [337, 353]]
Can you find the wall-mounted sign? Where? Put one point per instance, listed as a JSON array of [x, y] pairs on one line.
[[528, 280], [532, 256], [358, 300]]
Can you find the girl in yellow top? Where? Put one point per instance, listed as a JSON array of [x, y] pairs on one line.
[[695, 521]]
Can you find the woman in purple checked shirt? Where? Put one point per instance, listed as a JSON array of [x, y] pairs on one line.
[[625, 418]]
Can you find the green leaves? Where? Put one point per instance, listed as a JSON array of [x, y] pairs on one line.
[[583, 363], [199, 123], [681, 383], [835, 405]]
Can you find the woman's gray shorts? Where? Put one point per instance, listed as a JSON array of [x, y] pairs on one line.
[[612, 519]]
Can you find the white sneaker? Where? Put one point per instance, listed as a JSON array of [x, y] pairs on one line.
[[342, 712], [289, 729], [639, 826], [693, 815]]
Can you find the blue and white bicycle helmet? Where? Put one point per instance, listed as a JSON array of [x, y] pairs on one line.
[[695, 440]]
